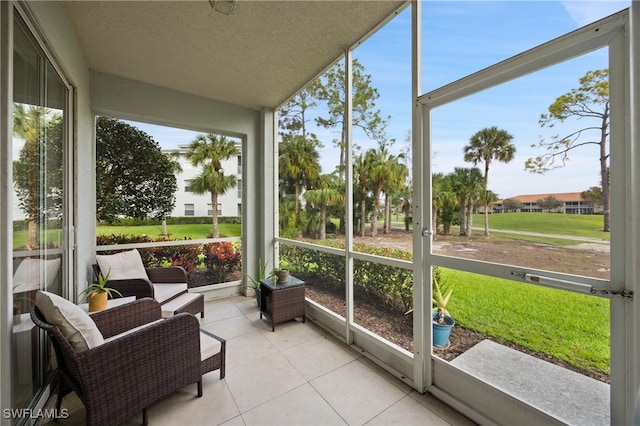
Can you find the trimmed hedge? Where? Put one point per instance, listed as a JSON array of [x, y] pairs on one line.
[[181, 220]]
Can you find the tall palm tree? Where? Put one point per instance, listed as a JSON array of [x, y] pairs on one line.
[[326, 193], [299, 165], [489, 144], [361, 171], [208, 151], [393, 186], [468, 184], [29, 124]]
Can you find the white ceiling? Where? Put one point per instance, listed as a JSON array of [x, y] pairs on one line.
[[259, 56]]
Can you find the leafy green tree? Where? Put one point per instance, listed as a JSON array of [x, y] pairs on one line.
[[394, 186], [444, 202], [292, 117], [326, 193], [176, 168], [299, 166], [549, 203], [590, 104], [382, 167], [332, 89], [468, 184], [593, 196], [486, 145], [361, 171], [511, 205], [209, 151], [37, 173], [133, 177]]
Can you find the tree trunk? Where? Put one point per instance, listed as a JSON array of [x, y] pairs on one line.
[[363, 211], [374, 214], [387, 216], [461, 214], [486, 198], [604, 171], [164, 226], [214, 214], [323, 221]]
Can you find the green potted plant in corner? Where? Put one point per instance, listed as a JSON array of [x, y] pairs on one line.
[[442, 320], [254, 283], [97, 293]]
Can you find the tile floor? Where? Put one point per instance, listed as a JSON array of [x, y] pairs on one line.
[[297, 375]]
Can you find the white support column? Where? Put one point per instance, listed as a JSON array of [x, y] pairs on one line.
[[6, 241], [421, 352], [348, 139]]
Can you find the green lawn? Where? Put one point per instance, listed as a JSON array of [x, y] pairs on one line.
[[193, 231], [546, 223], [569, 326]]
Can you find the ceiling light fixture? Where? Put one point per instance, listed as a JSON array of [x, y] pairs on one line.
[[226, 7]]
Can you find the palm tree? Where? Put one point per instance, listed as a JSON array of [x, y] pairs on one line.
[[208, 151], [361, 171], [393, 187], [299, 165], [489, 144], [468, 184], [29, 124], [326, 193]]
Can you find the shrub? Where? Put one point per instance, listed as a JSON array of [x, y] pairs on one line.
[[222, 258]]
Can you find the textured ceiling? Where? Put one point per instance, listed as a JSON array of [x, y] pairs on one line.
[[257, 57]]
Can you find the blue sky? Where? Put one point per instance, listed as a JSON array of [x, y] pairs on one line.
[[459, 38]]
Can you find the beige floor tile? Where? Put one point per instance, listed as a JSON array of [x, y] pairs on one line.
[[356, 392], [230, 328], [318, 356], [407, 412], [268, 377], [301, 406], [291, 333], [248, 347], [216, 310], [441, 409]]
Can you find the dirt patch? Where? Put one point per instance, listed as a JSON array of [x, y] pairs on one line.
[[397, 327]]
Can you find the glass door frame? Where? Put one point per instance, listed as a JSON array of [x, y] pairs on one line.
[[9, 14]]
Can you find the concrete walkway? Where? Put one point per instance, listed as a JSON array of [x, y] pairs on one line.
[[564, 394]]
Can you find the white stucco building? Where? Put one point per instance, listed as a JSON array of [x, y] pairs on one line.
[[189, 203]]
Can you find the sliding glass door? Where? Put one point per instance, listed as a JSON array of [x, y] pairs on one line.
[[39, 207]]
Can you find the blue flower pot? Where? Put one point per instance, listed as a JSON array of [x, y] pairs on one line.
[[441, 332]]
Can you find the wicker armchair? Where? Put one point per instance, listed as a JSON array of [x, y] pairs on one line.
[[124, 376], [141, 287]]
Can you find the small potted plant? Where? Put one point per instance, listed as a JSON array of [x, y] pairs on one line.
[[254, 283], [442, 321], [97, 293], [282, 275]]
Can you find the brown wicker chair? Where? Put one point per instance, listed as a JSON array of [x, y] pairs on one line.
[[145, 287], [126, 375]]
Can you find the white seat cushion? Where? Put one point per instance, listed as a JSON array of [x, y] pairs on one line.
[[208, 346], [33, 274], [174, 304], [117, 336], [74, 323], [165, 291], [122, 266]]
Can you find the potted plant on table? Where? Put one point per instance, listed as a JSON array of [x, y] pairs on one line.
[[97, 293], [442, 321], [254, 283]]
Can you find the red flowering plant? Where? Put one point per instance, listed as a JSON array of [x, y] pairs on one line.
[[222, 259]]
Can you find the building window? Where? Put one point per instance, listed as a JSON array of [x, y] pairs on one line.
[[219, 209], [239, 188], [187, 186], [240, 165], [189, 210]]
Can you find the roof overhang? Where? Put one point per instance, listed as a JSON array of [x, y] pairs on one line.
[[256, 57]]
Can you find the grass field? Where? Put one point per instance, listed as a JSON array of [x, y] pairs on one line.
[[569, 326], [589, 226]]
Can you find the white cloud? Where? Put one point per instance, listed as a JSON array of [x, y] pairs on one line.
[[586, 12]]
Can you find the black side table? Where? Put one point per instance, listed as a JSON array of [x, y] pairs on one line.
[[280, 302]]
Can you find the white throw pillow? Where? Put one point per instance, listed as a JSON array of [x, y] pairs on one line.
[[122, 266], [74, 323], [33, 274]]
